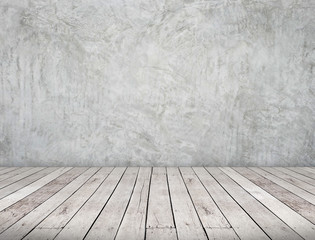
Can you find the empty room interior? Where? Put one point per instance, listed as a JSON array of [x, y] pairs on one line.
[[157, 119]]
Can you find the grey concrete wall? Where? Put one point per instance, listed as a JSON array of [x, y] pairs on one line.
[[157, 82]]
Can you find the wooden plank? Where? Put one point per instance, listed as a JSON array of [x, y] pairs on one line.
[[295, 221], [290, 179], [27, 223], [18, 177], [107, 223], [159, 208], [186, 219], [217, 233], [41, 234], [13, 173], [133, 224], [24, 182], [241, 222], [301, 177], [22, 193], [292, 188], [2, 168], [270, 223], [62, 215], [39, 218], [310, 169], [210, 215], [297, 203], [160, 221], [302, 171], [8, 169], [80, 224], [19, 209], [161, 234]]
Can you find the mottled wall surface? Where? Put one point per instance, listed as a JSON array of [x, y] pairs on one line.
[[157, 82]]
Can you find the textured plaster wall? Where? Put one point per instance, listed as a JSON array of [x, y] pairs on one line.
[[157, 82]]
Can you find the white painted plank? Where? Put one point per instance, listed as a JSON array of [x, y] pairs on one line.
[[161, 234], [16, 211], [159, 208], [13, 173], [61, 216], [42, 234], [80, 224], [270, 223], [297, 203], [292, 188], [221, 233], [26, 181], [49, 210], [22, 193], [186, 219], [302, 171], [27, 223], [243, 225], [20, 176], [133, 224], [290, 179], [211, 217], [301, 177], [310, 169], [107, 223], [8, 169], [299, 224]]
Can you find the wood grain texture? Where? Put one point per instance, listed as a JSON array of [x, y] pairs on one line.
[[236, 216], [310, 169], [20, 176], [31, 220], [303, 171], [297, 203], [22, 193], [110, 218], [19, 209], [211, 217], [161, 234], [80, 224], [292, 188], [25, 182], [270, 223], [61, 216], [159, 207], [6, 170], [155, 204], [2, 169], [297, 175], [133, 224], [186, 219], [13, 173], [291, 179], [293, 220]]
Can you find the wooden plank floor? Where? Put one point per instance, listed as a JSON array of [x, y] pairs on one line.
[[157, 203]]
